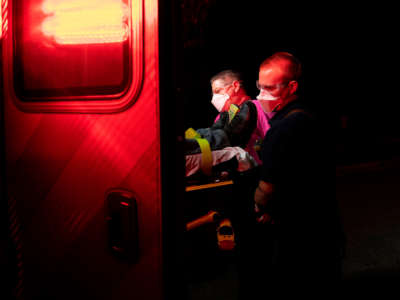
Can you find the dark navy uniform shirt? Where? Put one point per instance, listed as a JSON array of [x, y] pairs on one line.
[[297, 161]]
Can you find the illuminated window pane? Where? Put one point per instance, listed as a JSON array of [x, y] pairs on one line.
[[1, 24], [71, 48], [90, 22]]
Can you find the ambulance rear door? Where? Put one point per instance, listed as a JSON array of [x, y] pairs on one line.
[[84, 159]]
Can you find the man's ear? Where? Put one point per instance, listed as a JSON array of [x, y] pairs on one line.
[[293, 86], [236, 86]]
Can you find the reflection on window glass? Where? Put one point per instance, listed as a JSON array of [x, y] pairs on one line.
[[71, 48]]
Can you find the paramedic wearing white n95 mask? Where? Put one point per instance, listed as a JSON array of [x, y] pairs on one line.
[[277, 92], [227, 89]]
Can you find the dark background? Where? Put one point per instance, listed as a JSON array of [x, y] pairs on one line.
[[349, 58], [350, 63]]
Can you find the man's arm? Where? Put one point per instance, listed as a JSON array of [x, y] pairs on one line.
[[222, 120], [262, 196]]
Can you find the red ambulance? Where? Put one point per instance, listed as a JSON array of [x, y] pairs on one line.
[[92, 167]]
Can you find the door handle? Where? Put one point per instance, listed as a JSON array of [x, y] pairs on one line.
[[122, 224]]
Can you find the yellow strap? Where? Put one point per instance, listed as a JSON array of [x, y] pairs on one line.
[[191, 134], [233, 109], [206, 155]]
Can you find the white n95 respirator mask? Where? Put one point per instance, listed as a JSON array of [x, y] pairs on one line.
[[269, 103], [218, 100]]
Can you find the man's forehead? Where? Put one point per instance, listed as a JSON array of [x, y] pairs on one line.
[[273, 72], [219, 83], [267, 71]]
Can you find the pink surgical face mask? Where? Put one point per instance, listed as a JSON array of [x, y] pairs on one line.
[[269, 102], [218, 100]]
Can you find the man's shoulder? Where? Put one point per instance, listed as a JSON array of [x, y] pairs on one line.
[[248, 110], [248, 103], [296, 115], [293, 126]]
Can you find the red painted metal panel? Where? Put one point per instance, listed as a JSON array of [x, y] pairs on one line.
[[60, 167]]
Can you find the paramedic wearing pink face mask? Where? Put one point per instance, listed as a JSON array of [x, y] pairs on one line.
[[294, 193]]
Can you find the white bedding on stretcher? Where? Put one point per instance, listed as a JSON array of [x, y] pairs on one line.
[[245, 160]]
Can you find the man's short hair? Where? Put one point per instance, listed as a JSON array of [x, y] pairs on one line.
[[227, 75], [292, 64]]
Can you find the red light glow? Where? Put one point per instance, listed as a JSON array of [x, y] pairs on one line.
[[85, 22], [3, 9]]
